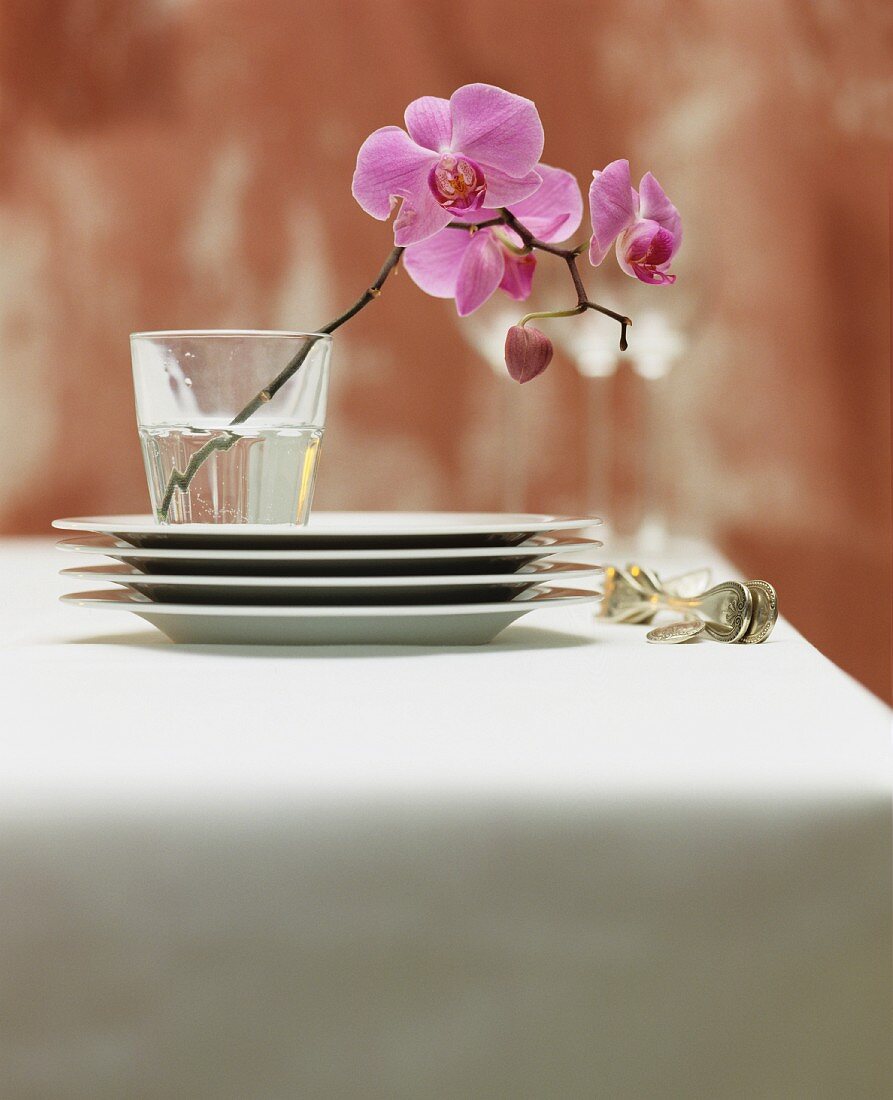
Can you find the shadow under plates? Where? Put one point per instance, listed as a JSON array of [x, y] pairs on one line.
[[522, 638]]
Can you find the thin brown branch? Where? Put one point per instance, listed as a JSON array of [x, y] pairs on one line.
[[473, 227], [569, 255], [181, 480]]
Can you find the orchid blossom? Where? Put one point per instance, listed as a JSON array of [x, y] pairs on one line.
[[645, 224], [469, 265], [476, 150], [475, 205]]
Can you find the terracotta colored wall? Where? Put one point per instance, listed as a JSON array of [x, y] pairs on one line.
[[186, 163]]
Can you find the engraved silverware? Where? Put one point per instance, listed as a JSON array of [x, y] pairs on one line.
[[730, 612], [725, 609], [765, 612], [674, 633]]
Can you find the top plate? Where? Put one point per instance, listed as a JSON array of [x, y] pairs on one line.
[[333, 530]]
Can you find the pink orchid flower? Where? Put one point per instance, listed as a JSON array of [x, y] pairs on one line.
[[645, 224], [471, 266], [475, 150]]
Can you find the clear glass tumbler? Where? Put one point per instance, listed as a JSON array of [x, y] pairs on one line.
[[231, 422]]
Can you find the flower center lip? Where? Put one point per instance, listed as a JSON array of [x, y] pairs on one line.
[[656, 250], [457, 182]]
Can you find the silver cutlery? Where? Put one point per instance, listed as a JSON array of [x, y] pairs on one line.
[[729, 612]]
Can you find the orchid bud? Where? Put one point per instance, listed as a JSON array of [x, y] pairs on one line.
[[527, 352]]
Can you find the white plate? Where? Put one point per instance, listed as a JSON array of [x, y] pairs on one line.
[[445, 624], [415, 560], [339, 530], [354, 590]]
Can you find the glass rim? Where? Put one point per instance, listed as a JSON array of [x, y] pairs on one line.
[[192, 333]]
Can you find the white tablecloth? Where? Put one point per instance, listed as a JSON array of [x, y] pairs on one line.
[[567, 864]]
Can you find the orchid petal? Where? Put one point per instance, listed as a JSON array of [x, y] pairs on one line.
[[624, 265], [655, 206], [474, 217], [517, 279], [390, 166], [433, 264], [429, 123], [503, 190], [420, 218], [496, 128], [555, 210], [480, 273], [652, 276], [611, 205], [506, 234], [644, 252]]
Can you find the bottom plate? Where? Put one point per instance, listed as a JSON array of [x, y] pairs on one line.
[[447, 624]]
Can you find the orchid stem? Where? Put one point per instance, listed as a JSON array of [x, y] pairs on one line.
[[552, 313], [473, 227], [181, 480], [293, 365], [569, 255]]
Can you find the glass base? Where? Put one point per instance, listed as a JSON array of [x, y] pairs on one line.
[[251, 473]]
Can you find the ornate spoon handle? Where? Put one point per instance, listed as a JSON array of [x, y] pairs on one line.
[[725, 609]]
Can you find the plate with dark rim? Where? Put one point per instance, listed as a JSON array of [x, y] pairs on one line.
[[352, 590], [336, 530], [322, 562]]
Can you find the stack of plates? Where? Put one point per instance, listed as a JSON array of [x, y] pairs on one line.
[[410, 578]]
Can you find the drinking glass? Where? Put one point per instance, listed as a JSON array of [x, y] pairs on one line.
[[231, 422]]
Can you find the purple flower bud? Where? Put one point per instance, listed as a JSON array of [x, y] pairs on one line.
[[527, 352]]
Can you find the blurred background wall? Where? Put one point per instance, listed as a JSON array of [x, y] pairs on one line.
[[187, 163]]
